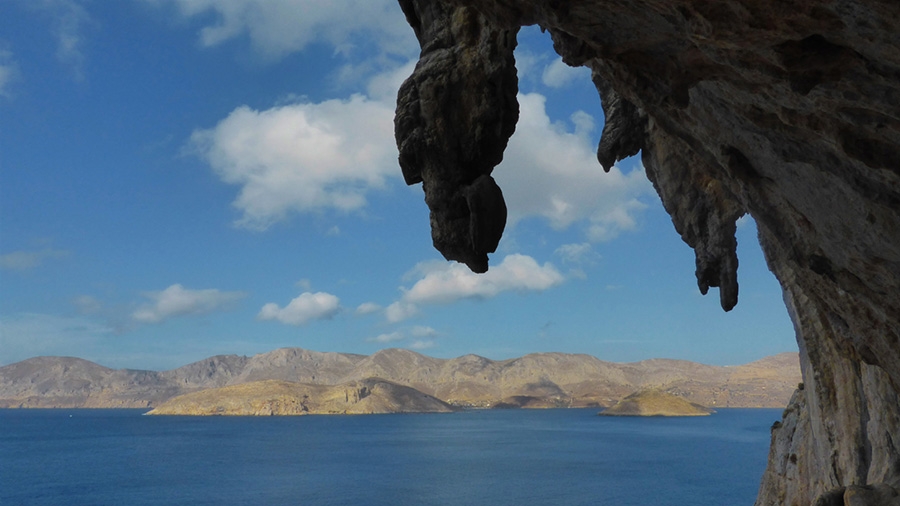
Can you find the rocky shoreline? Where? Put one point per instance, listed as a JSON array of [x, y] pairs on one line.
[[543, 380]]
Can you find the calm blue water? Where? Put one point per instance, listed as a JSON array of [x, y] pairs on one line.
[[514, 457]]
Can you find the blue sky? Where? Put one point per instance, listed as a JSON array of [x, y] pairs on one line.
[[185, 178]]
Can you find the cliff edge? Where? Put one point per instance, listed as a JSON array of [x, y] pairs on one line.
[[786, 110]]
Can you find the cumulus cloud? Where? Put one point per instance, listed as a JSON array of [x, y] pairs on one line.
[[391, 337], [367, 308], [87, 304], [550, 171], [559, 75], [422, 331], [384, 86], [179, 301], [69, 19], [577, 253], [444, 283], [302, 309], [422, 344], [399, 311], [26, 260], [302, 157], [528, 63], [577, 256], [279, 27], [417, 338], [9, 71]]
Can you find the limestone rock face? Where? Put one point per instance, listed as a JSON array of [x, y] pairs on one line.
[[787, 110]]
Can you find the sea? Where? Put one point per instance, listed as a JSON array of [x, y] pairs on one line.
[[478, 457]]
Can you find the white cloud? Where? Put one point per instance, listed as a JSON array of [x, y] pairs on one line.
[[9, 71], [367, 308], [559, 75], [387, 338], [69, 19], [443, 282], [302, 309], [576, 256], [422, 344], [551, 171], [26, 260], [302, 157], [528, 63], [179, 301], [278, 27], [422, 331], [87, 304], [384, 86], [399, 311], [577, 253]]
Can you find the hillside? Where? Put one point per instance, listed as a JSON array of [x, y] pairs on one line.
[[655, 403], [278, 397], [540, 379]]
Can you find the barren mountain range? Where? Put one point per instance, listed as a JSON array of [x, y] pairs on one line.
[[535, 380]]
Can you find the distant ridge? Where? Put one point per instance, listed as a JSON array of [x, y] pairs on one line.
[[534, 380]]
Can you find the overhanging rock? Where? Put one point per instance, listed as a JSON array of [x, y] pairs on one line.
[[787, 110]]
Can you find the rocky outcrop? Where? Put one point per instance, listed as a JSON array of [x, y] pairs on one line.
[[453, 126], [656, 403], [276, 397], [785, 110], [536, 380]]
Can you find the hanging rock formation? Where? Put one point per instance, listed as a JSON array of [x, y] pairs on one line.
[[454, 116], [787, 110]]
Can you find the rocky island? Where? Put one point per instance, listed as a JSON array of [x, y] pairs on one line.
[[276, 397], [656, 403]]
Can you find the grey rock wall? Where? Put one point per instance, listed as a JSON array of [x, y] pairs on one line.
[[787, 110]]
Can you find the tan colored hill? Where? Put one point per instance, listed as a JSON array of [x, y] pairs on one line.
[[278, 397], [656, 403], [535, 380]]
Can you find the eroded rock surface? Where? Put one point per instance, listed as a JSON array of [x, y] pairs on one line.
[[786, 110], [454, 117]]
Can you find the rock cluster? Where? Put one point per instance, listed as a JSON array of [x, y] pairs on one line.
[[787, 110]]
